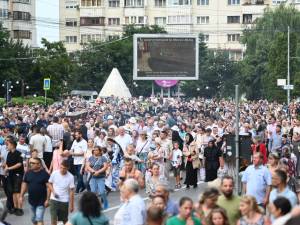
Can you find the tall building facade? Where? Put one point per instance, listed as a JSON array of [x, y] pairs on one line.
[[18, 16], [220, 21]]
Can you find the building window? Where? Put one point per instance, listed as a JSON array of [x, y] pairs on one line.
[[233, 37], [85, 38], [160, 20], [92, 21], [113, 21], [235, 55], [160, 3], [179, 19], [134, 3], [114, 3], [134, 20], [233, 19], [202, 19], [204, 38], [22, 34], [141, 20], [233, 2], [22, 1], [18, 15], [202, 2], [3, 13], [91, 3], [71, 39], [113, 37], [179, 2], [71, 23], [247, 18]]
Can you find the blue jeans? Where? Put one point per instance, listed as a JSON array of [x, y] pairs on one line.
[[37, 213], [80, 185], [97, 186]]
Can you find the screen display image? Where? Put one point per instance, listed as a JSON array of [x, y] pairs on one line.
[[166, 57]]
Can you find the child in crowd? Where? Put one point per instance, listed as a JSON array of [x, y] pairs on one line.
[[176, 162], [218, 216]]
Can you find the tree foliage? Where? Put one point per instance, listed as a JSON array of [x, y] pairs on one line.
[[265, 60]]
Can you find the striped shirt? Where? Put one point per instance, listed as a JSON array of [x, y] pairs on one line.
[[56, 131]]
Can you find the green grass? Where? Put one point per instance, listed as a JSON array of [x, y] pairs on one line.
[[28, 101]]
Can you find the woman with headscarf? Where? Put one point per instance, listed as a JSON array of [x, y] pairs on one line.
[[212, 161], [117, 158], [191, 160]]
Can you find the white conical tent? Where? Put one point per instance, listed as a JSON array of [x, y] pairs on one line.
[[115, 86]]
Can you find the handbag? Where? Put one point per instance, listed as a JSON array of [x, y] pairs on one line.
[[91, 175]]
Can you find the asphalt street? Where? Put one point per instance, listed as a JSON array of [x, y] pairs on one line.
[[114, 203]]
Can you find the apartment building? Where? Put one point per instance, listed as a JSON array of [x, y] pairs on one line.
[[220, 21], [18, 16]]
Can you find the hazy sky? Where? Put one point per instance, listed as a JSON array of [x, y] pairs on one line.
[[47, 13]]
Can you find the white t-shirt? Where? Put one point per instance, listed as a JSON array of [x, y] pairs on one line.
[[61, 185], [48, 147], [124, 141], [38, 142], [176, 157], [79, 147]]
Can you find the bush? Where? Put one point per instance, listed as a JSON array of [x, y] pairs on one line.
[[28, 101]]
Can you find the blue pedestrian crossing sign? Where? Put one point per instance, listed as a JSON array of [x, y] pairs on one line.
[[47, 84]]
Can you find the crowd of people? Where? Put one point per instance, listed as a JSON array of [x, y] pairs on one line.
[[156, 145]]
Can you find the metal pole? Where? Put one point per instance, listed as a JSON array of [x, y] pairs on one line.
[[161, 92], [237, 152], [7, 92], [152, 94], [288, 69], [169, 92], [45, 97], [178, 90]]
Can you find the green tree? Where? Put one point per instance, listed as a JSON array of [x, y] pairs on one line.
[[97, 60], [266, 56]]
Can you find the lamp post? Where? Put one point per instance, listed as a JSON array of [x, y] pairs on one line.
[[7, 85]]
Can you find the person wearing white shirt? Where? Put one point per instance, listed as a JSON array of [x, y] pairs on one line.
[[62, 194], [78, 149], [133, 212], [123, 139]]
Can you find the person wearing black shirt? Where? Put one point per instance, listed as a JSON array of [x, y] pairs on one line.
[[15, 171], [36, 182]]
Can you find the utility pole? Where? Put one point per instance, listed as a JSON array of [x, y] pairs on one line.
[[288, 69]]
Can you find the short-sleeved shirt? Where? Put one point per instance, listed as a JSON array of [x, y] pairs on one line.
[[176, 157], [231, 205], [79, 219], [287, 193], [37, 188], [38, 142], [134, 211], [61, 185], [257, 179], [177, 221], [12, 159], [79, 147], [96, 163]]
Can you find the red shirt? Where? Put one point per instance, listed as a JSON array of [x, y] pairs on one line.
[[262, 149]]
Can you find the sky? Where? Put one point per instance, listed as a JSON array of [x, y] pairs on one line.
[[47, 13]]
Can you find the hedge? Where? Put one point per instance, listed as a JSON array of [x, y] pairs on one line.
[[28, 101]]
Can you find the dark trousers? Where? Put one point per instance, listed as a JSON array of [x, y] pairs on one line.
[[47, 156], [80, 184], [9, 195]]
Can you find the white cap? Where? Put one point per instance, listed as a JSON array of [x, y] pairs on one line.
[[110, 117]]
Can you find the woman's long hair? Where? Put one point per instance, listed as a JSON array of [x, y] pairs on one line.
[[90, 205], [251, 201], [222, 212]]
